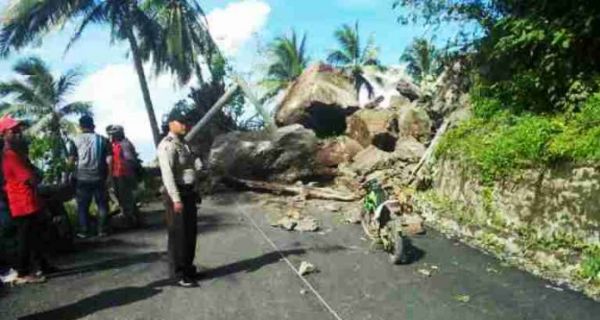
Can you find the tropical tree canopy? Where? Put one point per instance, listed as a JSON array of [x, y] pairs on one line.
[[289, 61], [422, 58], [183, 37], [26, 21], [37, 94], [532, 55], [352, 57], [39, 97]]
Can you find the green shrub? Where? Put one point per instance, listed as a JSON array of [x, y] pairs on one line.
[[496, 142], [590, 267]]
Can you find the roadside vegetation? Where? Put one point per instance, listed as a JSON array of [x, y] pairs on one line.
[[535, 70]]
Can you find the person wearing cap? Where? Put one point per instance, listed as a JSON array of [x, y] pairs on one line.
[[178, 174], [93, 156], [124, 164], [20, 184]]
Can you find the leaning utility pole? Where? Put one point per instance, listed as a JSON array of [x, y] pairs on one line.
[[212, 112], [269, 123], [239, 83]]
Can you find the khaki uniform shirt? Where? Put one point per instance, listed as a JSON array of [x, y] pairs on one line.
[[176, 165]]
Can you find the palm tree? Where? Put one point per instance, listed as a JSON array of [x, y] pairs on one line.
[[352, 57], [39, 97], [183, 37], [422, 58], [289, 61], [25, 21]]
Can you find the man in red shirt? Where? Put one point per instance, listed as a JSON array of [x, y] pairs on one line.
[[20, 181], [123, 171]]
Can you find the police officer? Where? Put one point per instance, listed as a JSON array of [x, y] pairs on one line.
[[179, 177]]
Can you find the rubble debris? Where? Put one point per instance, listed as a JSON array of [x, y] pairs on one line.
[[286, 223], [492, 270], [337, 151], [293, 214], [306, 268], [307, 225], [374, 127], [310, 192], [414, 122], [559, 289], [353, 216], [332, 207], [412, 224], [408, 90], [425, 272]]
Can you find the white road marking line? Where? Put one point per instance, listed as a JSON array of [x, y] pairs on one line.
[[289, 263]]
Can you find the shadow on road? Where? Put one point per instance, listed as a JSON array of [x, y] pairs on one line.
[[127, 295], [115, 263], [414, 253], [106, 299], [249, 265]]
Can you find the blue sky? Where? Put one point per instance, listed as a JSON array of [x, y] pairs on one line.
[[240, 26]]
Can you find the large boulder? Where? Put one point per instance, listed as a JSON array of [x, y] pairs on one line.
[[374, 127], [286, 155], [414, 122], [320, 99], [410, 150], [371, 159], [337, 151]]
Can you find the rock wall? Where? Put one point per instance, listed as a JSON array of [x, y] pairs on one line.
[[560, 201]]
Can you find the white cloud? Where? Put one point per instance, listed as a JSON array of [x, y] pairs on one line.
[[235, 24], [115, 92]]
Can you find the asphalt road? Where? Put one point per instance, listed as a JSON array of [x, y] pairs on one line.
[[124, 277]]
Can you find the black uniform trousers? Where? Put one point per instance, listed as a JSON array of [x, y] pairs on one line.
[[182, 229]]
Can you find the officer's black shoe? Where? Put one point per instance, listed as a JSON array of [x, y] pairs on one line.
[[187, 282]]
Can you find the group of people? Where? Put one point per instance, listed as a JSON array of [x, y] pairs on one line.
[[99, 163]]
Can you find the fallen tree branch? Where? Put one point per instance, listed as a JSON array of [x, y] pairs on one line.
[[429, 152], [309, 192]]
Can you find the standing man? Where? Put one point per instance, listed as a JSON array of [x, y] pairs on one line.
[[93, 156], [124, 180], [20, 183], [178, 175]]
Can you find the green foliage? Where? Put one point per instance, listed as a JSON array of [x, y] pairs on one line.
[[48, 154], [289, 61], [496, 142], [590, 266], [580, 139], [531, 55], [176, 36], [353, 56], [38, 96]]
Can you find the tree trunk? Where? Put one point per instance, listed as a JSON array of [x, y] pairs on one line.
[[137, 60], [308, 192]]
